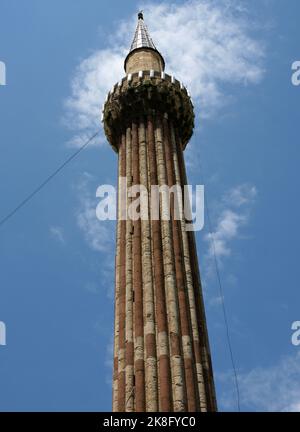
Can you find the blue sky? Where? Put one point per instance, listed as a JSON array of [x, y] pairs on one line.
[[56, 273]]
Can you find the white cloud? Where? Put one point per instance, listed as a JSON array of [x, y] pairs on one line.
[[234, 214], [212, 40], [227, 229], [58, 233], [274, 388], [241, 195], [206, 44], [99, 235], [91, 82]]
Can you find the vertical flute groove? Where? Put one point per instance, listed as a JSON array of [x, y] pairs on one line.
[[148, 290], [179, 401], [117, 292], [129, 348], [138, 285]]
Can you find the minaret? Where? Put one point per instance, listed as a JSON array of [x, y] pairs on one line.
[[161, 351]]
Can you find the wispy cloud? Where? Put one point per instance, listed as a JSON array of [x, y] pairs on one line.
[[234, 214], [57, 232], [274, 388], [226, 230], [206, 44], [99, 235], [241, 195], [91, 82]]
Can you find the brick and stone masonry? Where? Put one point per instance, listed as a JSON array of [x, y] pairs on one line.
[[162, 358]]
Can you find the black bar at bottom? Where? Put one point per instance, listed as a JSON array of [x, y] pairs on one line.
[[104, 421]]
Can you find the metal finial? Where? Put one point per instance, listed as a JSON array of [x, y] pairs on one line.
[[140, 15]]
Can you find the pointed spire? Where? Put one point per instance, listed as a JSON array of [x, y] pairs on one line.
[[142, 40]]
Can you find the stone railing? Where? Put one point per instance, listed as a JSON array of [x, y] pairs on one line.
[[143, 93]]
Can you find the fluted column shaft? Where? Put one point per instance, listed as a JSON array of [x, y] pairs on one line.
[[161, 351]]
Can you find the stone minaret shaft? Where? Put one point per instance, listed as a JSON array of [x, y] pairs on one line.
[[161, 350]]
